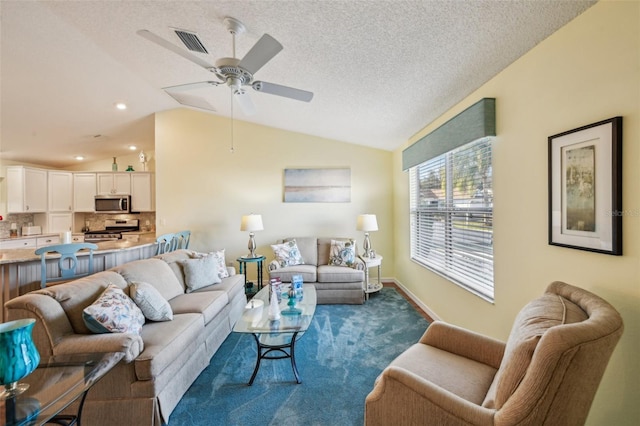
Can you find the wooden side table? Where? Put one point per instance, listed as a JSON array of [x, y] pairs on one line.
[[258, 260], [371, 286]]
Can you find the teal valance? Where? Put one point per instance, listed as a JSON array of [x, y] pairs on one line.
[[477, 121]]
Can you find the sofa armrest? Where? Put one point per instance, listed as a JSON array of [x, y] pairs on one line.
[[231, 270], [399, 390], [465, 343], [129, 344]]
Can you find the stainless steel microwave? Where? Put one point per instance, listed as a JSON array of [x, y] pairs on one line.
[[113, 203]]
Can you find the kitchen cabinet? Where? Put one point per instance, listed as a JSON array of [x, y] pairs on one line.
[[60, 191], [84, 192], [142, 192], [26, 190], [47, 241], [113, 183], [59, 222], [18, 243], [31, 242]]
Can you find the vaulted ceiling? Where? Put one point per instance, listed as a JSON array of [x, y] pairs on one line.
[[379, 70]]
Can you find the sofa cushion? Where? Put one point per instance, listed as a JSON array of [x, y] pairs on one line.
[[309, 273], [155, 272], [173, 259], [113, 312], [342, 253], [164, 342], [287, 254], [200, 272], [76, 295], [339, 274], [150, 301], [209, 304], [531, 323]]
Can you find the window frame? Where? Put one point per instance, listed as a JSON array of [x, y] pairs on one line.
[[462, 251]]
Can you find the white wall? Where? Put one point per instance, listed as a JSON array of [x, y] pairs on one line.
[[202, 186], [586, 72]]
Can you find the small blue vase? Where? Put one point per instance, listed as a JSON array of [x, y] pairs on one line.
[[18, 355]]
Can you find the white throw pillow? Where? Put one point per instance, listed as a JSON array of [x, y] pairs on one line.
[[219, 257], [113, 312], [150, 301], [200, 272], [343, 253]]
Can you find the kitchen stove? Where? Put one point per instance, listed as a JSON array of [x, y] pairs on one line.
[[113, 230]]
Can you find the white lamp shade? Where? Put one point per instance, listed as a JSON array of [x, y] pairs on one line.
[[251, 223], [367, 223]]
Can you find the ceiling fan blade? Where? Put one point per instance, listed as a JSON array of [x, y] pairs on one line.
[[191, 100], [175, 49], [245, 102], [190, 86], [279, 90], [261, 53]]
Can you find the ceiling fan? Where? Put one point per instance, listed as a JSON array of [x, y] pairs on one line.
[[238, 74]]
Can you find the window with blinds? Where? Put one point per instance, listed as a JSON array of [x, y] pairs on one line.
[[452, 216]]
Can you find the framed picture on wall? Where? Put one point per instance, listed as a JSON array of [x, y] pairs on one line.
[[585, 188]]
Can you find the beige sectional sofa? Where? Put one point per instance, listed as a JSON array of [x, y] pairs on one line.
[[162, 361], [334, 284]]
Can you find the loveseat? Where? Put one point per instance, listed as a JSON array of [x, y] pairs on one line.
[[547, 372], [160, 362], [330, 264]]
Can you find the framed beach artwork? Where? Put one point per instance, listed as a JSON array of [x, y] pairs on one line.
[[585, 188], [317, 185]]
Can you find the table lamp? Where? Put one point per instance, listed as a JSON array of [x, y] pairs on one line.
[[18, 356], [367, 223], [251, 223]]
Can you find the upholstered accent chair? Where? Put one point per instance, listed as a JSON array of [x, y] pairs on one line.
[[547, 372]]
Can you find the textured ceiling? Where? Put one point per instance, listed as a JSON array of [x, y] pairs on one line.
[[380, 70]]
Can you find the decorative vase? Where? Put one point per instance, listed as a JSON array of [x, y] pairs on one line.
[[274, 308], [114, 166], [18, 355]]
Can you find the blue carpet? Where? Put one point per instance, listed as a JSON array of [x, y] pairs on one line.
[[339, 358]]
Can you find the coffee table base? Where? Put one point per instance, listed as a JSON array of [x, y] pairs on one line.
[[275, 352]]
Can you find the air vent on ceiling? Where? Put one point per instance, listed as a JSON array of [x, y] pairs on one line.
[[191, 40]]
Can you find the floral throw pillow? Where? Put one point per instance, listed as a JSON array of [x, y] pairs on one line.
[[287, 254], [343, 253], [113, 312]]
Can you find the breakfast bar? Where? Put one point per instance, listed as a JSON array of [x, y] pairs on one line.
[[20, 268]]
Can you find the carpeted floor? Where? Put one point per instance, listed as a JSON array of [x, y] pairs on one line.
[[339, 358]]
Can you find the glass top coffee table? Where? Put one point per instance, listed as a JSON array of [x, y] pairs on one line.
[[277, 339], [53, 386]]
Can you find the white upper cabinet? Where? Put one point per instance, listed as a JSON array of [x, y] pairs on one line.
[[114, 183], [60, 191], [84, 192], [142, 192], [26, 190]]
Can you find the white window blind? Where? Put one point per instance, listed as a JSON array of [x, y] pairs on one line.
[[452, 216]]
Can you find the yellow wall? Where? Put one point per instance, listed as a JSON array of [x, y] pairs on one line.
[[586, 72], [202, 186]]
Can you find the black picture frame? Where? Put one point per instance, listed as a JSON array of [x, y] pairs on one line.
[[585, 188]]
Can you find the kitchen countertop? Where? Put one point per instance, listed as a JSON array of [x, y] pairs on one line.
[[28, 255]]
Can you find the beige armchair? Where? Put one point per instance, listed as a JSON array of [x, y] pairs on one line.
[[547, 372]]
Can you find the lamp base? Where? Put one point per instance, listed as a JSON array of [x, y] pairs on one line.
[[11, 390]]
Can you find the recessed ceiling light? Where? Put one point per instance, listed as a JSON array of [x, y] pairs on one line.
[[121, 106], [79, 157], [133, 147]]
